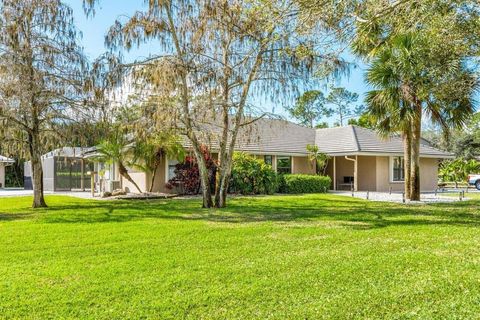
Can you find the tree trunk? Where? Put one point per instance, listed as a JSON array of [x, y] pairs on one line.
[[415, 169], [157, 162], [124, 173], [37, 172], [37, 176], [222, 187], [152, 181], [204, 179], [407, 156]]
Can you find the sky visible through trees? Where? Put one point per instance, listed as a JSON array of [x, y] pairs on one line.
[[95, 28]]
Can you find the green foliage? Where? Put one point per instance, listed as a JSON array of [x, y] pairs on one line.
[[309, 108], [252, 176], [463, 142], [457, 170], [321, 125], [343, 102], [365, 121], [304, 183], [320, 158]]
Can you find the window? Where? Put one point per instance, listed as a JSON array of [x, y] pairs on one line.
[[268, 160], [284, 165], [398, 169], [172, 165]]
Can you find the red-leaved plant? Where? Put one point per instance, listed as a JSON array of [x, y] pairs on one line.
[[187, 175]]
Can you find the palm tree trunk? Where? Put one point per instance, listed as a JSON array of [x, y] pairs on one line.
[[124, 173], [407, 156], [415, 168]]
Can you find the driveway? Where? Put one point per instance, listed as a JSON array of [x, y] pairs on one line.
[[11, 192]]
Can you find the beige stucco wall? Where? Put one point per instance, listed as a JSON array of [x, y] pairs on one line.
[[140, 179], [302, 165], [160, 178], [2, 175], [344, 168], [367, 174], [374, 173], [428, 175], [383, 176]]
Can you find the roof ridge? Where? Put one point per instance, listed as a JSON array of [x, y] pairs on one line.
[[355, 137]]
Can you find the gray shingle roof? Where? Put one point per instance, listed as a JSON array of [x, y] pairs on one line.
[[358, 140], [264, 136], [276, 136], [6, 160]]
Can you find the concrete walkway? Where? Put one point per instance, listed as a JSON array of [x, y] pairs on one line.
[[397, 197]]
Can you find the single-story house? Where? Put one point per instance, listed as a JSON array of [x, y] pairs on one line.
[[359, 158], [4, 162]]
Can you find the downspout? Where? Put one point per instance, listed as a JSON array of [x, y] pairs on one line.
[[355, 172]]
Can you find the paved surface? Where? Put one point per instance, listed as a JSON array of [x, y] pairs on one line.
[[398, 197], [23, 193]]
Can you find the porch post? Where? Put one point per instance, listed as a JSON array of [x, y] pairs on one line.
[[82, 179], [355, 174], [334, 173]]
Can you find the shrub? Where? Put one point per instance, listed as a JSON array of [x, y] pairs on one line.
[[252, 176], [303, 183], [457, 170], [281, 187], [187, 174]]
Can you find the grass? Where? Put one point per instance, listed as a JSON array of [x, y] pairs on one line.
[[279, 257]]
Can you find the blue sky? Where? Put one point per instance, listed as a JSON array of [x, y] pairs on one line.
[[95, 28]]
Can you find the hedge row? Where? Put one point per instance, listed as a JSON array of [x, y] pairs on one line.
[[304, 183]]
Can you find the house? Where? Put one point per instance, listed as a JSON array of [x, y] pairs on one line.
[[4, 162], [364, 161], [359, 158]]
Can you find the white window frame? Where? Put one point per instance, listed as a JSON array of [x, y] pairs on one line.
[[391, 170]]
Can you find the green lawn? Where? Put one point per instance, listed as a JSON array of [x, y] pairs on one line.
[[289, 257]]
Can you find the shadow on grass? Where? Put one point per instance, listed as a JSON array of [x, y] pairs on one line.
[[14, 216], [352, 213]]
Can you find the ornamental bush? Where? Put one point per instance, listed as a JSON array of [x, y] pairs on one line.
[[303, 183], [187, 174], [252, 176]]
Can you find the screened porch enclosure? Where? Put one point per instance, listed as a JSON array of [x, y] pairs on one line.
[[70, 174]]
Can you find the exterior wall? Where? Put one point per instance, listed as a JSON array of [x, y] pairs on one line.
[[302, 165], [140, 179], [160, 178], [374, 173], [383, 176], [367, 174], [428, 175], [2, 175], [48, 175], [344, 168], [48, 166]]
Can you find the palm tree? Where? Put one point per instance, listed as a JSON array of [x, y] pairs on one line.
[[319, 158], [148, 153], [117, 150], [407, 87]]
